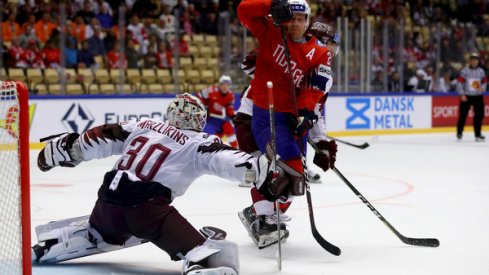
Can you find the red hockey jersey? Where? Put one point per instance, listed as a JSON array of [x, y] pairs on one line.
[[271, 65], [219, 104]]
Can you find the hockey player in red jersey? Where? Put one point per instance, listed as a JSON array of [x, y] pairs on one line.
[[159, 161], [219, 100], [299, 96]]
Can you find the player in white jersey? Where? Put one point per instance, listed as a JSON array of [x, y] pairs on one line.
[[159, 161]]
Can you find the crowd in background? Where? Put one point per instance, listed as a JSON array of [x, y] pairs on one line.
[[31, 33]]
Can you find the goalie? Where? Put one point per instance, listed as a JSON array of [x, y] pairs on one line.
[[159, 161]]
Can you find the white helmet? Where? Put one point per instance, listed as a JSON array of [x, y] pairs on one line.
[[187, 112], [301, 6], [225, 79]]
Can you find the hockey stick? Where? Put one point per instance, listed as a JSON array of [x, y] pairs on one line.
[[412, 241], [274, 160], [361, 146], [331, 248]]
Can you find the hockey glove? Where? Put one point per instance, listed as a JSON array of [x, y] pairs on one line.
[[280, 12], [327, 157], [62, 150], [271, 185], [302, 124]]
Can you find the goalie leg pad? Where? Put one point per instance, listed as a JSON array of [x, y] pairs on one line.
[[70, 239], [213, 257]]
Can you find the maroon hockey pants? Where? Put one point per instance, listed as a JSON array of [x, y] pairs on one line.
[[154, 220]]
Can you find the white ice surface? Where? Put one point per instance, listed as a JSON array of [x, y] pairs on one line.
[[425, 185]]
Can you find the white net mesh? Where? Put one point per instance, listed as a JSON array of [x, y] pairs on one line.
[[10, 210]]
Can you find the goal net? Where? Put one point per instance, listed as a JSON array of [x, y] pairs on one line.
[[15, 253]]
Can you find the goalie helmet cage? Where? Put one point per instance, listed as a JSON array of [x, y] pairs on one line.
[[15, 223]]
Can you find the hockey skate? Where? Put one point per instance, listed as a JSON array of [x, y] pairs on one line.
[[480, 138], [263, 229], [313, 177], [246, 184]]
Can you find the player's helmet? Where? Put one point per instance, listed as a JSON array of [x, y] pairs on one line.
[[326, 33], [301, 6], [225, 79], [187, 112], [474, 55]]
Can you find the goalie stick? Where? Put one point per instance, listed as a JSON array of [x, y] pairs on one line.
[[430, 242], [331, 248], [361, 146]]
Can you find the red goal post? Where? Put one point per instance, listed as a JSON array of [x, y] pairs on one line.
[[15, 220]]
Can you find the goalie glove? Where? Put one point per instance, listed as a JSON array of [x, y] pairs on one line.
[[326, 158], [271, 185], [62, 150]]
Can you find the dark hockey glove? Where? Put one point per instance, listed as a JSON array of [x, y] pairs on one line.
[[280, 12], [271, 185], [302, 124], [60, 151], [327, 157]]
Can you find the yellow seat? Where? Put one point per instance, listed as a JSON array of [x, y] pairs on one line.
[[74, 89], [212, 63], [107, 88], [205, 51], [215, 51], [34, 76], [102, 76], [51, 76], [185, 62], [86, 76], [3, 74], [192, 76], [148, 76], [92, 88], [164, 76], [198, 39], [55, 89], [70, 75], [181, 75], [117, 76], [170, 89], [40, 89], [155, 88], [200, 62], [16, 74], [207, 76], [133, 76], [211, 40], [199, 87], [193, 50], [125, 89]]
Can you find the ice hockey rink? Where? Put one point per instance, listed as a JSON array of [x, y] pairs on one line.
[[425, 185]]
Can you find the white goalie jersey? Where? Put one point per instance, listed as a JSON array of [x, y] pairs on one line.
[[152, 150]]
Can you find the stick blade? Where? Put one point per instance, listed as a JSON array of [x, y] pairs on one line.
[[331, 248], [363, 146], [429, 242]]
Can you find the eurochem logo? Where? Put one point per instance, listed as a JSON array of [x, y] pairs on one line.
[[358, 107], [77, 119]]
